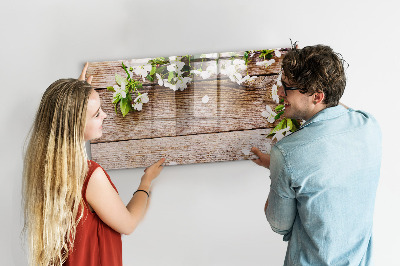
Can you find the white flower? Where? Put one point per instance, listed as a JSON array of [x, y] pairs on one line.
[[266, 63], [279, 80], [240, 64], [143, 70], [205, 74], [275, 95], [278, 53], [169, 85], [119, 91], [145, 98], [171, 68], [205, 99], [213, 55], [142, 98], [160, 80], [138, 106], [248, 78], [195, 71], [231, 69], [175, 64], [245, 78], [181, 84], [282, 133], [212, 69], [269, 114], [202, 73]]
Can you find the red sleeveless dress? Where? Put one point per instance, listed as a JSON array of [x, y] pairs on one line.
[[95, 242]]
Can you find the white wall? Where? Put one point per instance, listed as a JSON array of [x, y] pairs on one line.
[[205, 214]]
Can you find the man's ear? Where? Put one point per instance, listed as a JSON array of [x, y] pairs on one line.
[[318, 97]]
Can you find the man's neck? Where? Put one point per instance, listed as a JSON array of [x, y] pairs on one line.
[[318, 108]]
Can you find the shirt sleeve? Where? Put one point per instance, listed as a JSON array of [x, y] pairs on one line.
[[281, 210]]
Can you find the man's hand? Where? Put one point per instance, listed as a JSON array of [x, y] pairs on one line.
[[83, 74], [263, 160]]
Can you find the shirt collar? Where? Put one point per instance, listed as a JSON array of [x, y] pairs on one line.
[[326, 114]]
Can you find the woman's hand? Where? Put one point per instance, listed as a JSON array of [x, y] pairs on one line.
[[151, 172], [83, 74], [263, 160]]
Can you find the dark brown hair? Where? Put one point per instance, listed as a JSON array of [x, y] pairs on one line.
[[316, 69]]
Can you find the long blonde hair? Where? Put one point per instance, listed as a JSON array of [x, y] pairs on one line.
[[55, 167]]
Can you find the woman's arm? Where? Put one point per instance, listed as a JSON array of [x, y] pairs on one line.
[[108, 205]]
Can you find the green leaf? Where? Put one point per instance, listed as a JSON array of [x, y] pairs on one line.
[[278, 127], [111, 88], [116, 109], [129, 97], [296, 125], [150, 78], [153, 70], [246, 57], [126, 70], [281, 100], [279, 107], [119, 79], [116, 99], [171, 76], [289, 123], [161, 69], [279, 115], [159, 61], [284, 125], [266, 54], [125, 107]]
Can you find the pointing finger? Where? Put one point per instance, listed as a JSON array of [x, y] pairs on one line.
[[83, 74], [256, 151], [161, 161], [89, 80]]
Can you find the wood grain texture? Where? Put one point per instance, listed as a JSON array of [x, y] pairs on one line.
[[202, 148], [104, 72], [178, 125], [173, 113]]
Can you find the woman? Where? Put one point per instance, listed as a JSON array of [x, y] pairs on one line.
[[73, 213]]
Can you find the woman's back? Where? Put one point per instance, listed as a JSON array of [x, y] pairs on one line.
[[62, 188], [95, 242]]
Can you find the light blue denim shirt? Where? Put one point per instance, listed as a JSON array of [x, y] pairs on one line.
[[323, 183]]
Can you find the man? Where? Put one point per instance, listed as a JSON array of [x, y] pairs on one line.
[[323, 176]]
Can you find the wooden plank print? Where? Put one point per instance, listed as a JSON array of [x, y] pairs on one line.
[[201, 148], [216, 117]]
